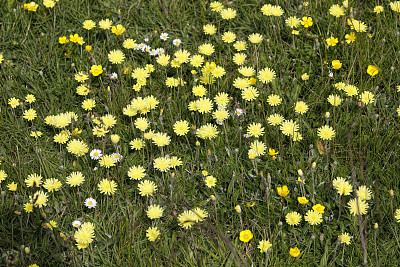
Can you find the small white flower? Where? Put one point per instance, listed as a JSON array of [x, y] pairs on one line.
[[116, 156], [76, 224], [113, 76], [90, 202], [160, 51], [239, 111], [219, 122], [330, 74], [246, 135], [153, 52], [221, 107], [146, 39], [177, 42], [164, 36], [96, 154]]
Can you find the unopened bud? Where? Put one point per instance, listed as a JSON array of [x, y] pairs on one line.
[[238, 209], [391, 192], [115, 138]]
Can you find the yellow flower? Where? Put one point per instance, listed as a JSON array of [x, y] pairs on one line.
[[336, 11], [209, 29], [378, 9], [245, 236], [395, 6], [147, 188], [336, 64], [302, 200], [12, 186], [116, 56], [228, 13], [319, 208], [49, 3], [306, 22], [96, 70], [216, 6], [118, 30], [152, 233], [154, 212], [332, 41], [210, 181], [283, 191], [238, 209], [29, 114], [326, 132], [350, 38], [372, 70], [107, 187], [367, 97], [345, 238], [294, 252], [305, 76], [32, 6], [358, 207], [292, 22], [264, 245], [89, 24], [63, 40], [105, 24]]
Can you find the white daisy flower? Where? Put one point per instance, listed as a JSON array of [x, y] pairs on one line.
[[160, 51], [116, 156], [76, 224], [239, 111], [90, 203], [96, 154], [153, 52], [113, 76], [219, 122], [177, 42], [164, 36]]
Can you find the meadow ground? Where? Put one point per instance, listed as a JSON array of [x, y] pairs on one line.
[[199, 133]]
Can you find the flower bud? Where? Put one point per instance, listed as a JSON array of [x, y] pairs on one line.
[[238, 209], [115, 138]]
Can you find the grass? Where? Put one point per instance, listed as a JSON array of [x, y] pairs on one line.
[[364, 149]]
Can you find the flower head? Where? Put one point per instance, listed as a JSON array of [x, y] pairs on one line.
[[342, 186], [283, 191], [90, 203], [294, 252], [360, 208], [107, 187], [345, 238], [264, 245], [147, 188], [372, 70], [245, 236], [326, 132], [293, 218], [152, 233], [116, 56], [154, 212], [306, 22], [313, 217]]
